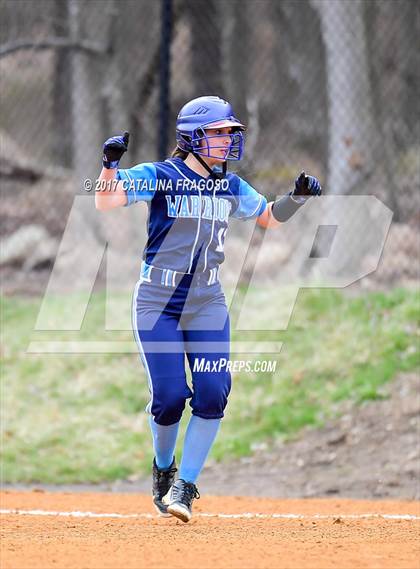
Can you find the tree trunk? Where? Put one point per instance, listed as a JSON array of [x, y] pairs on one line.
[[86, 104], [62, 140], [115, 107], [235, 47], [206, 44], [87, 114], [351, 126]]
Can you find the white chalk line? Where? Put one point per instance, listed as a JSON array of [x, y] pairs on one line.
[[248, 515]]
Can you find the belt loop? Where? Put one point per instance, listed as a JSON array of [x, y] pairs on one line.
[[168, 277], [163, 277], [213, 275]]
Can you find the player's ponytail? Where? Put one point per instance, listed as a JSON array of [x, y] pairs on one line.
[[178, 153]]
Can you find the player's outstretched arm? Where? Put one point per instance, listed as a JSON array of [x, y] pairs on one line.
[[114, 194], [282, 209]]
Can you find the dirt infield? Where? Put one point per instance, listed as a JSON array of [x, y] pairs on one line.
[[288, 534]]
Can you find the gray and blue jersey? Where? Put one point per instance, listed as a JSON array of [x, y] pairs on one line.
[[188, 214]]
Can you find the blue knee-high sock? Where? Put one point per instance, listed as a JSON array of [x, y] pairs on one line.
[[199, 438], [164, 441]]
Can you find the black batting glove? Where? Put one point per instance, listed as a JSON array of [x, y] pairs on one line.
[[113, 150], [286, 206], [306, 186]]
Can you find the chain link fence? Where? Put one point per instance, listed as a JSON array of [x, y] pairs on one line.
[[326, 86]]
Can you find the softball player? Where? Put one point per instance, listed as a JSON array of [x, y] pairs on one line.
[[179, 309]]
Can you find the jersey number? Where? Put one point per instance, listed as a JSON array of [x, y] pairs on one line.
[[221, 234]]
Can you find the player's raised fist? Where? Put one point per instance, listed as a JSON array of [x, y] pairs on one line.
[[307, 186], [113, 150]]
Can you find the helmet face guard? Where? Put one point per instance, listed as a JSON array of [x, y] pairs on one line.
[[199, 142], [209, 113]]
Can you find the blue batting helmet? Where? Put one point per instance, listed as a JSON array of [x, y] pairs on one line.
[[208, 112]]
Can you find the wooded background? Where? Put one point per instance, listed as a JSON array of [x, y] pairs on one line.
[[329, 86]]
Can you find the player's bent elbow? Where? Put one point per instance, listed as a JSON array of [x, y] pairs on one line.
[[106, 202], [262, 222], [266, 219], [100, 204]]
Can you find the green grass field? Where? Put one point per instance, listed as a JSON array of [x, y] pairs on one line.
[[79, 417]]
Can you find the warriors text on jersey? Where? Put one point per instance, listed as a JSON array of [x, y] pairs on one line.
[[188, 214]]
